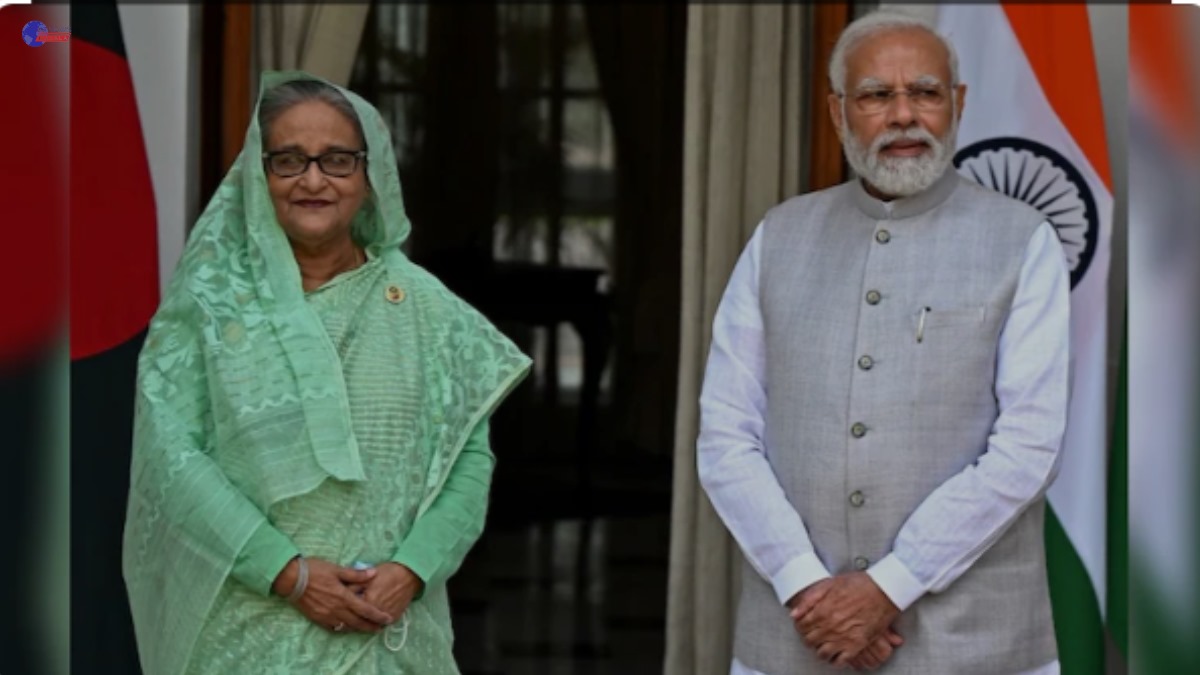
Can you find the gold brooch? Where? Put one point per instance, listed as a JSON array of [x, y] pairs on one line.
[[395, 294]]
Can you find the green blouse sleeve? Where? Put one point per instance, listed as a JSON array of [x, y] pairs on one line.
[[263, 558], [440, 539]]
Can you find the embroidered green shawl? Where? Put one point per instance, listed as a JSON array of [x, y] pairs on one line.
[[240, 398]]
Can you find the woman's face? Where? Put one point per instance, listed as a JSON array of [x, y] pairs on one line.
[[315, 209]]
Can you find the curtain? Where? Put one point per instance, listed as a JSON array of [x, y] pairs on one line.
[[639, 54], [321, 38], [453, 194], [742, 154]]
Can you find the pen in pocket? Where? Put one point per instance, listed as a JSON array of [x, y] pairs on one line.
[[921, 324]]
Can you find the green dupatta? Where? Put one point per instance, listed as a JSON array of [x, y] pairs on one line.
[[240, 398]]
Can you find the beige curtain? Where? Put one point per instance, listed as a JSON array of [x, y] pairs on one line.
[[321, 38], [743, 121]]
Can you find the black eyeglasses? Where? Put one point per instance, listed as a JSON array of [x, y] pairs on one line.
[[337, 163]]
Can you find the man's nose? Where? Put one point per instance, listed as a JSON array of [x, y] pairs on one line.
[[900, 112]]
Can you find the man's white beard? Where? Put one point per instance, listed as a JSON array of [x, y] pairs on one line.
[[901, 176]]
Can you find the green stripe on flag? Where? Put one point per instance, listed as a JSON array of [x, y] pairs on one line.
[[1077, 621]]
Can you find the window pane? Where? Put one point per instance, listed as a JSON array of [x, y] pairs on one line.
[[526, 157], [400, 30], [401, 65], [580, 67], [524, 45], [571, 363], [540, 356], [587, 134], [395, 35], [525, 123], [587, 242], [410, 28], [521, 239], [570, 359], [404, 111], [588, 156], [384, 22]]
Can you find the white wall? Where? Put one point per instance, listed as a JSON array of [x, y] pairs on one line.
[[162, 44]]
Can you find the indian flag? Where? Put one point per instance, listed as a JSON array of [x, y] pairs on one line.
[[1033, 128]]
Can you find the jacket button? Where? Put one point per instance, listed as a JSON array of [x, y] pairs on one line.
[[858, 430], [857, 498], [873, 297], [865, 362]]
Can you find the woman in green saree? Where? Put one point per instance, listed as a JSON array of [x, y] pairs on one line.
[[311, 458]]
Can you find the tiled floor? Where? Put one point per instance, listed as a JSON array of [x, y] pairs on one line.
[[546, 591], [530, 601]]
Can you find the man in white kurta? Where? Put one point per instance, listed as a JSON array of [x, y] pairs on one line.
[[893, 269]]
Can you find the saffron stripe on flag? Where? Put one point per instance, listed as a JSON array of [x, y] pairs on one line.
[[1067, 72]]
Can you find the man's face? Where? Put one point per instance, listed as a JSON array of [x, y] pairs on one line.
[[899, 144]]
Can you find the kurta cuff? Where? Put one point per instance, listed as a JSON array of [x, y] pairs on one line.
[[800, 573], [896, 581]]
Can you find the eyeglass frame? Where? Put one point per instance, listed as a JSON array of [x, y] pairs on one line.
[[945, 91], [359, 156]]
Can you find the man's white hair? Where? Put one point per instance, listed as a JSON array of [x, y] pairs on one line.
[[880, 21]]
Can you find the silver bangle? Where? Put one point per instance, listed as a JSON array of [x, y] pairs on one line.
[[301, 581]]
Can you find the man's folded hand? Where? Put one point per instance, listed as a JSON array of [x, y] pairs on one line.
[[845, 616]]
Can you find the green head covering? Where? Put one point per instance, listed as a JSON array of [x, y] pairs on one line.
[[381, 225], [241, 401]]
